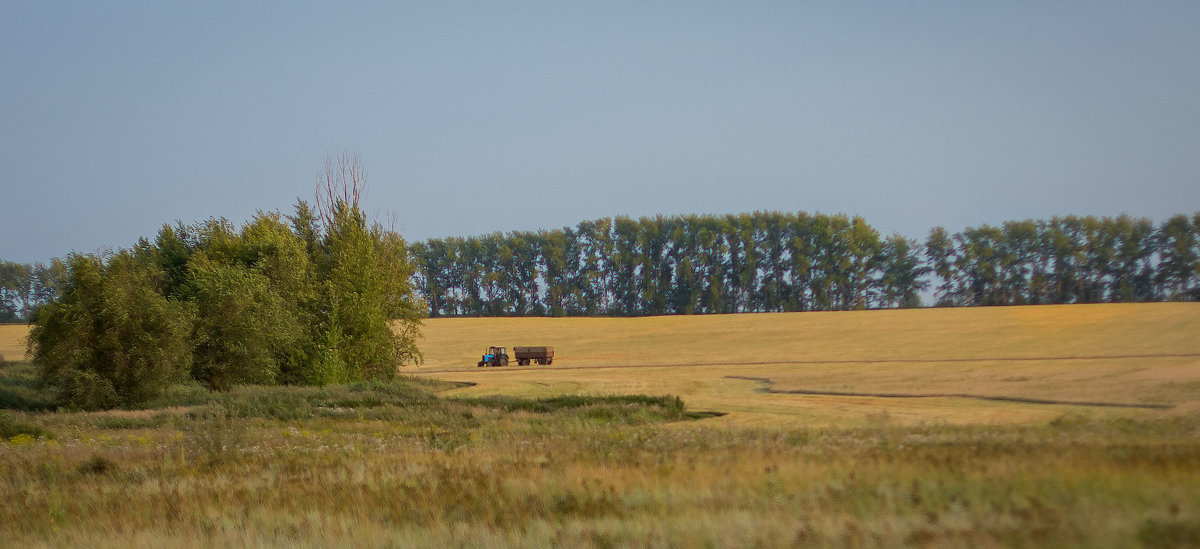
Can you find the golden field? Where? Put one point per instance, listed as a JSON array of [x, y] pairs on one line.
[[12, 341], [1139, 354]]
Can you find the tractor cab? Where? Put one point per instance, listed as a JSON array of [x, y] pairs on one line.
[[496, 356]]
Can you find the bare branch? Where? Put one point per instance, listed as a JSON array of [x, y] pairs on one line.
[[343, 183]]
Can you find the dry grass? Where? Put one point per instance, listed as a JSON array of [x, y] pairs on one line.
[[478, 478], [392, 466]]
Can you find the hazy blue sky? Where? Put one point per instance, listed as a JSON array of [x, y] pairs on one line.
[[117, 117]]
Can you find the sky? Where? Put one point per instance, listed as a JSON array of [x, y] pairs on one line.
[[477, 117]]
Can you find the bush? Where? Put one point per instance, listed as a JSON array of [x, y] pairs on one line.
[[111, 339]]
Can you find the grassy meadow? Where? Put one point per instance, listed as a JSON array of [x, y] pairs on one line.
[[1100, 448]]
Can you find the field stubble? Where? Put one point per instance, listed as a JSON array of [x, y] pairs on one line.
[[12, 341], [1140, 354]]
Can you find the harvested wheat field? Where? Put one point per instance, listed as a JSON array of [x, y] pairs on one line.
[[12, 341], [961, 366]]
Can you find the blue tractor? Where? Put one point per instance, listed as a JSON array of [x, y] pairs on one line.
[[496, 356]]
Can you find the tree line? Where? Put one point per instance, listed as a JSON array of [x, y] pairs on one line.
[[1068, 260], [771, 261], [25, 286]]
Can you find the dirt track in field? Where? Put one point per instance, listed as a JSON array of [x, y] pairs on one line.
[[768, 387]]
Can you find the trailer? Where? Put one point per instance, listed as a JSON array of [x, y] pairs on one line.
[[544, 355]]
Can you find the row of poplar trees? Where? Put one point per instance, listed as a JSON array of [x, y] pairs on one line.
[[24, 286], [771, 261]]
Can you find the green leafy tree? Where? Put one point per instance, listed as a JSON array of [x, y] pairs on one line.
[[769, 261], [25, 287], [902, 277], [14, 283], [242, 325], [941, 255], [402, 306], [111, 339], [1180, 251], [362, 285]]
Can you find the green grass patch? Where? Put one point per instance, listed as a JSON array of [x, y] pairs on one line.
[[295, 402], [629, 409], [20, 388], [130, 423], [13, 427], [1173, 532]]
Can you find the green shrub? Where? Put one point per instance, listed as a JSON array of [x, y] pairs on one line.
[[111, 339]]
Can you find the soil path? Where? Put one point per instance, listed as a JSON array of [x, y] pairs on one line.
[[768, 387]]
